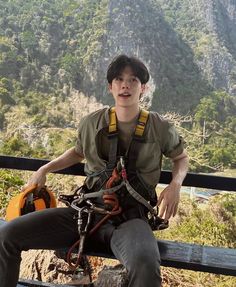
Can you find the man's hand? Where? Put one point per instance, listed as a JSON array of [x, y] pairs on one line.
[[170, 196], [38, 178], [168, 201]]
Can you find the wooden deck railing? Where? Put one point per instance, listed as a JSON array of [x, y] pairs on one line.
[[173, 254]]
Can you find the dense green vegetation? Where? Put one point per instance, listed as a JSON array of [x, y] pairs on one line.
[[46, 44], [212, 224], [45, 127], [45, 48], [10, 183], [48, 49], [215, 115], [210, 134]]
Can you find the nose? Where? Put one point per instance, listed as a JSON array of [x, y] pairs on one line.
[[126, 84]]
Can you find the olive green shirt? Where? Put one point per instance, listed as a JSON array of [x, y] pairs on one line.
[[161, 138]]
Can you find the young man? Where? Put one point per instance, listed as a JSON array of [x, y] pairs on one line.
[[128, 235]]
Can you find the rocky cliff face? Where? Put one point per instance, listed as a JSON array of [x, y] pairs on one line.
[[211, 35], [209, 29], [139, 28], [57, 46], [189, 47]]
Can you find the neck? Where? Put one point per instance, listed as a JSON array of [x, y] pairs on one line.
[[126, 114]]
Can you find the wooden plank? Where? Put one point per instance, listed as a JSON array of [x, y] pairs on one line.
[[197, 257], [34, 283], [197, 180], [190, 256]]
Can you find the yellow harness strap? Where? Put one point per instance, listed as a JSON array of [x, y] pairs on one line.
[[140, 127], [112, 122]]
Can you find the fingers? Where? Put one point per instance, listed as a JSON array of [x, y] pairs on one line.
[[29, 185], [175, 209], [168, 210], [162, 211], [168, 202], [160, 198], [37, 180]]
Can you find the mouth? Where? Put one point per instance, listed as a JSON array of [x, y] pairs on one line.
[[124, 95]]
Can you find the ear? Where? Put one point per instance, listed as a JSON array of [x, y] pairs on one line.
[[144, 87], [109, 87]]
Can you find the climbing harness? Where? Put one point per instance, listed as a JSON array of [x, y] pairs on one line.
[[120, 175], [130, 157], [137, 188], [82, 203]]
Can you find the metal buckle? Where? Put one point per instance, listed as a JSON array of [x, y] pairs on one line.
[[158, 223]]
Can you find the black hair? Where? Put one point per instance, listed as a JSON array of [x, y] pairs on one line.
[[120, 62]]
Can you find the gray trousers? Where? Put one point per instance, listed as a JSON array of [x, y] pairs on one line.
[[132, 243]]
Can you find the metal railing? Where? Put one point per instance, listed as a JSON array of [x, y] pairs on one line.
[[173, 254]]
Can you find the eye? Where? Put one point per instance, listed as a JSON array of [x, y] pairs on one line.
[[134, 79], [119, 78]]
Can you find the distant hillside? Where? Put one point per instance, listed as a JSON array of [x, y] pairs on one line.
[[54, 46], [54, 56]]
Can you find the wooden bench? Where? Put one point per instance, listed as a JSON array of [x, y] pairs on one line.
[[173, 254], [33, 283], [190, 256]]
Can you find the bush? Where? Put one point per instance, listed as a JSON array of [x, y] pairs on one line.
[[213, 224], [10, 185]]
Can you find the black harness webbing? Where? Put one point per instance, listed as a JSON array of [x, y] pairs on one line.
[[138, 138], [112, 156]]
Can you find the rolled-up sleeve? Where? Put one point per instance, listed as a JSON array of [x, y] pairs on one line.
[[172, 142], [78, 144]]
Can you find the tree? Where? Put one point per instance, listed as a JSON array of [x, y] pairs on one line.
[[5, 92]]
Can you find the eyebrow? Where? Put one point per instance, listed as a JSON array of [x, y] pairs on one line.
[[132, 75]]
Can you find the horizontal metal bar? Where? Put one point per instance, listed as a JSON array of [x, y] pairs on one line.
[[192, 179], [32, 164]]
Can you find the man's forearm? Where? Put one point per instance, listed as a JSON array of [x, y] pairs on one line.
[[68, 158], [180, 168]]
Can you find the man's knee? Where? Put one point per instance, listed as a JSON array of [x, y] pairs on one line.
[[143, 268], [149, 260]]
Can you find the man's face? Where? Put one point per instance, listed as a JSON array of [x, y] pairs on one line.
[[126, 88]]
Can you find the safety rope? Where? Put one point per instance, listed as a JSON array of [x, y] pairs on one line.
[[110, 199], [116, 209]]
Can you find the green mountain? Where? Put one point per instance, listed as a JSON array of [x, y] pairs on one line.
[[54, 56], [54, 46]]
